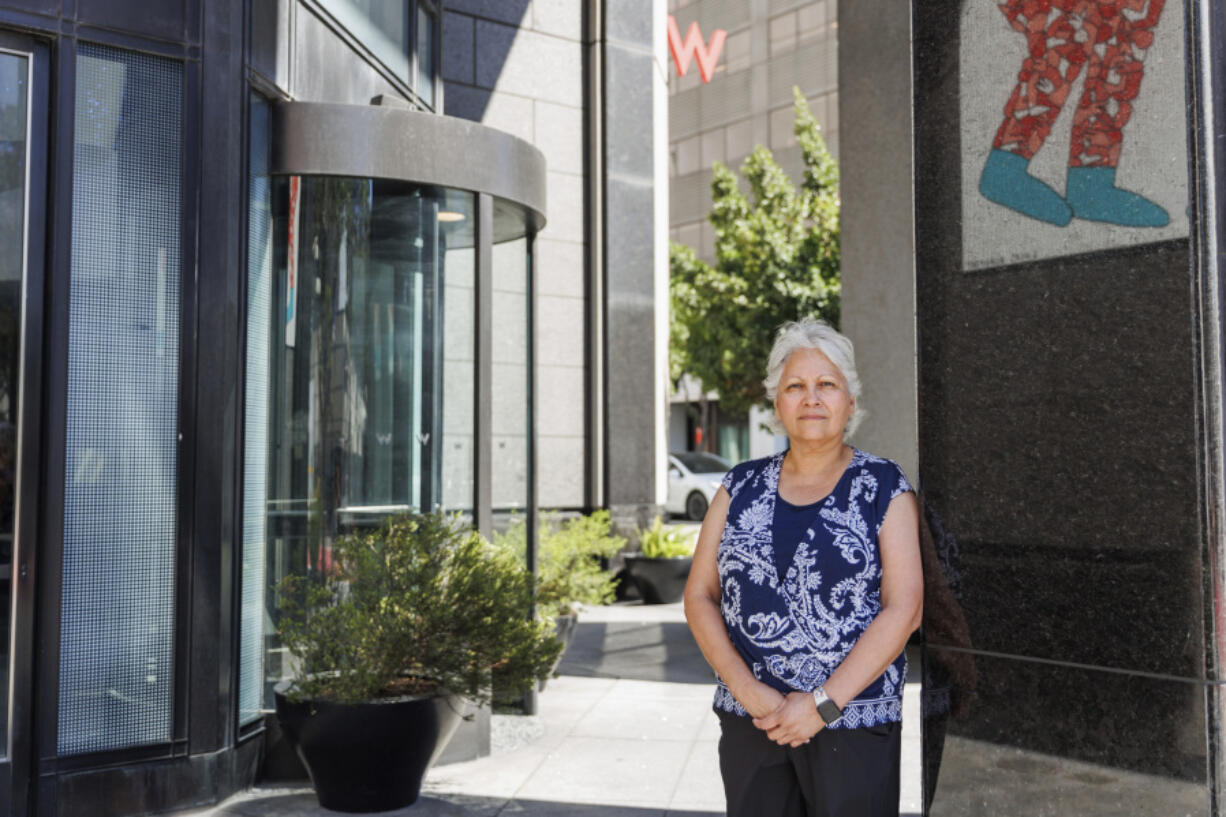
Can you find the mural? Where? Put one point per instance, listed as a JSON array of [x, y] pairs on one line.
[[1107, 170]]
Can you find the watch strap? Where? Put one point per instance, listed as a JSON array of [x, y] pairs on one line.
[[827, 709]]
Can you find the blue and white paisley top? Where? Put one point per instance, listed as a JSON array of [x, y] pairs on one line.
[[794, 630]]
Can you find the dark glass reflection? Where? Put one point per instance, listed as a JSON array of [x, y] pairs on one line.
[[380, 25], [425, 55], [13, 144]]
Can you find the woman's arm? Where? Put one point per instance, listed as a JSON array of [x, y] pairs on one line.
[[902, 605], [702, 596]]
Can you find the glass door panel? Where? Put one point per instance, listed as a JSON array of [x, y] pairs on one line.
[[14, 164]]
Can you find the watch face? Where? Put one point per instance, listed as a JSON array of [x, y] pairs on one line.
[[829, 711]]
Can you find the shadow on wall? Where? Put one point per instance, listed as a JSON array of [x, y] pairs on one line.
[[491, 45]]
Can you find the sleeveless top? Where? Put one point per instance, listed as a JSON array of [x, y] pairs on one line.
[[793, 629]]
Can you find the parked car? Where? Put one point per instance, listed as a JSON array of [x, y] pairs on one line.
[[693, 479]]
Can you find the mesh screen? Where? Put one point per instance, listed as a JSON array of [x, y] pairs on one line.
[[117, 610], [255, 445]]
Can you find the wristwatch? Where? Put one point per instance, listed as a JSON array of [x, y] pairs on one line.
[[827, 709]]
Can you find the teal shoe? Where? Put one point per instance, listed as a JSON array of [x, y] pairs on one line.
[[1093, 196], [1006, 182]]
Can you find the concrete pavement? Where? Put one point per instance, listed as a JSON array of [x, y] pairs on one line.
[[625, 731]]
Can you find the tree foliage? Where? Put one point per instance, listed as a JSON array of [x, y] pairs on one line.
[[568, 567], [777, 259]]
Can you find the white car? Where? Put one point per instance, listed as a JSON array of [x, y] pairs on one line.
[[693, 479]]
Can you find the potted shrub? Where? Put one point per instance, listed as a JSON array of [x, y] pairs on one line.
[[662, 565], [569, 570], [409, 617]]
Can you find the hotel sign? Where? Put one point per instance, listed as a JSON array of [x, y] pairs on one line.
[[693, 47]]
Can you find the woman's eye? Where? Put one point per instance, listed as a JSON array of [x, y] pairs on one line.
[[829, 384]]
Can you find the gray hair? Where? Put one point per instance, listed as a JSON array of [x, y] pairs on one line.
[[812, 333]]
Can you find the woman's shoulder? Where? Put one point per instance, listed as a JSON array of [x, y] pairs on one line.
[[888, 472]]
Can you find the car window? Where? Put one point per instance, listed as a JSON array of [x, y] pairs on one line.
[[700, 462]]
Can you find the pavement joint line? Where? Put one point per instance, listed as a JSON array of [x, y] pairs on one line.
[[568, 733], [672, 795]]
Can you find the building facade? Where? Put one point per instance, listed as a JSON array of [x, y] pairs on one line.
[[771, 47], [272, 272]]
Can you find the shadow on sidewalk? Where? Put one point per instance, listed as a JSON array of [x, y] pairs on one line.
[[304, 804], [644, 651]]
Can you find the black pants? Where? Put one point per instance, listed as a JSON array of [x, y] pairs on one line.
[[840, 773]]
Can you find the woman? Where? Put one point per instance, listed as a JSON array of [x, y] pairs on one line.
[[805, 586]]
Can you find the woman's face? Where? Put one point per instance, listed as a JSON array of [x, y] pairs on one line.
[[813, 401]]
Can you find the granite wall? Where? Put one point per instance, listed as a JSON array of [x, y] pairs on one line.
[[517, 65]]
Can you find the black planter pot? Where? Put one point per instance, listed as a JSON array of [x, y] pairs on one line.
[[659, 580], [369, 756], [564, 626]]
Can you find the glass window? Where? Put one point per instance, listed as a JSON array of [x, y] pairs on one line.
[[689, 155], [783, 32], [121, 475], [810, 19], [370, 361], [782, 121], [510, 429], [255, 428], [712, 147], [14, 149], [458, 274], [706, 246], [426, 33], [691, 235], [381, 25], [736, 51], [739, 136]]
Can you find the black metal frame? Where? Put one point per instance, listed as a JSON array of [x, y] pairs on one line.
[[593, 254], [483, 450], [532, 511], [49, 763], [15, 766], [1205, 49], [204, 713], [432, 355], [50, 568], [238, 439]]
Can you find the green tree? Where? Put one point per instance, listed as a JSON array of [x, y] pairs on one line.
[[777, 259]]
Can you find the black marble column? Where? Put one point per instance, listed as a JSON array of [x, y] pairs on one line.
[[1060, 454]]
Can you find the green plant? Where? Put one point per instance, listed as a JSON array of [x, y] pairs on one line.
[[421, 604], [776, 258], [568, 565], [659, 542]]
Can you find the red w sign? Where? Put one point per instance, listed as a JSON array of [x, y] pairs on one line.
[[693, 47]]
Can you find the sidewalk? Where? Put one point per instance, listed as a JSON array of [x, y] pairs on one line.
[[625, 731]]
